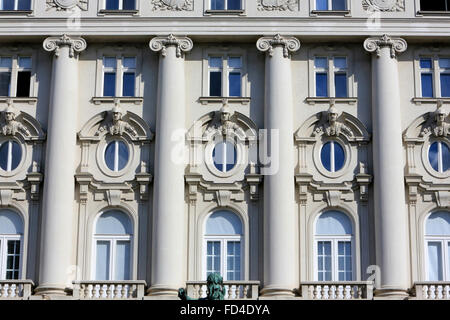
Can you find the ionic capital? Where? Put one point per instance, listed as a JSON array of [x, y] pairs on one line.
[[290, 44], [396, 45], [183, 44], [75, 44]]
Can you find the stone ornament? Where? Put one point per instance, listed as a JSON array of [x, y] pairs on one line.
[[290, 44], [331, 125], [384, 5], [115, 125], [173, 5], [277, 5], [76, 44], [183, 44], [397, 45], [11, 126], [437, 124], [67, 4]]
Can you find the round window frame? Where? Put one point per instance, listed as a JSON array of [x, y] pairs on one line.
[[318, 159], [22, 145], [101, 149], [426, 160], [209, 161]]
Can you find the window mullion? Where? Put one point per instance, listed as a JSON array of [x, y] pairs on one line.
[[332, 157], [9, 157], [436, 76], [2, 259], [119, 76], [330, 72], [440, 158], [13, 78], [112, 258], [225, 84]]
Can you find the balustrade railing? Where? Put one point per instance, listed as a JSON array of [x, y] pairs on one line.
[[109, 289], [348, 290], [432, 290], [16, 289], [234, 290]]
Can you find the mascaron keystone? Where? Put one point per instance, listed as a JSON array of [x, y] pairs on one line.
[[290, 44], [397, 45], [75, 44], [183, 44]]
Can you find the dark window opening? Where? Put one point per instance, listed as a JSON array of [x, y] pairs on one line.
[[435, 5], [23, 83]]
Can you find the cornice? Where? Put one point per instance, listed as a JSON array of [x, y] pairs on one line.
[[396, 45], [75, 44], [183, 44]]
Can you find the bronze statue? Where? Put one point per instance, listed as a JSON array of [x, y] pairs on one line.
[[214, 289]]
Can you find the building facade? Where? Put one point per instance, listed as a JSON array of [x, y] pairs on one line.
[[301, 148]]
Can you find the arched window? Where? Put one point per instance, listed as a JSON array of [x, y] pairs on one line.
[[439, 156], [224, 156], [116, 155], [223, 245], [437, 240], [112, 246], [334, 247], [332, 156], [10, 155], [11, 235]]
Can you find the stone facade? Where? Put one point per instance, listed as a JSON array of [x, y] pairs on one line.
[[168, 186]]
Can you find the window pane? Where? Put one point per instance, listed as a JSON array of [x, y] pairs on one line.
[[109, 84], [123, 155], [321, 85], [340, 62], [25, 62], [340, 84], [339, 156], [324, 260], [215, 83], [23, 83], [102, 260], [5, 80], [122, 263], [10, 155], [215, 62], [234, 5], [321, 4], [213, 257], [112, 5], [434, 261], [224, 156], [344, 260], [233, 260], [110, 155], [427, 85], [426, 64], [8, 5], [223, 222], [445, 157], [5, 62], [445, 85], [436, 5], [321, 63], [325, 156], [109, 62], [129, 5], [339, 4], [128, 84], [234, 82], [444, 63], [234, 62], [129, 62], [217, 4], [24, 5], [115, 159]]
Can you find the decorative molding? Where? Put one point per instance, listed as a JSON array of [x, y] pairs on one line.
[[290, 44], [183, 44], [277, 5], [397, 45], [11, 126], [173, 5], [331, 126], [67, 4], [226, 125], [115, 125], [14, 122], [76, 44], [436, 123], [384, 5]]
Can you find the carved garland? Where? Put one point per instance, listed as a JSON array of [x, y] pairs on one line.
[[67, 4], [76, 44], [397, 45], [384, 5], [183, 44], [290, 44], [173, 5], [277, 5]]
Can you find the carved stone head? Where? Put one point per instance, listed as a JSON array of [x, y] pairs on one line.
[[225, 114], [439, 116], [117, 113], [10, 113], [333, 115]]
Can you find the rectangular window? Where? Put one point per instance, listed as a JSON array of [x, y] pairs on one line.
[[334, 5], [226, 5], [233, 260], [426, 76], [215, 76], [331, 77], [435, 261], [435, 5], [129, 76], [119, 76], [13, 259], [345, 271], [15, 76], [444, 70], [321, 71], [122, 260], [102, 260], [324, 260], [213, 257], [15, 5], [23, 77], [120, 5], [234, 76]]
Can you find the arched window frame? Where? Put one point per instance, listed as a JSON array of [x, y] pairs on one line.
[[334, 241], [112, 239], [4, 239], [223, 240], [444, 241]]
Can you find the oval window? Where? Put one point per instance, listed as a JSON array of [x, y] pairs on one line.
[[439, 156], [224, 156], [116, 155], [332, 156], [10, 155]]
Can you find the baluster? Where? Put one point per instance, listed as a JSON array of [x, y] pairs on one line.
[[317, 294], [108, 290], [310, 292], [17, 291], [425, 292], [446, 293], [1, 290], [124, 291], [245, 291], [360, 292], [433, 292], [346, 292], [324, 292], [9, 291], [332, 292], [116, 292]]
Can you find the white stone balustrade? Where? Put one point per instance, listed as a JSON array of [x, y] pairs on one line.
[[15, 289], [234, 290], [432, 290], [348, 290], [109, 289]]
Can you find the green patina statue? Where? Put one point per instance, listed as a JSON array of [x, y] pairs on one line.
[[214, 289]]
